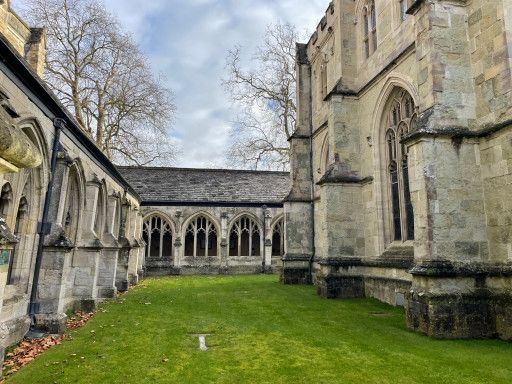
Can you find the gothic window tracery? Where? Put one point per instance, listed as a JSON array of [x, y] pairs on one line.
[[399, 119], [245, 238], [158, 236], [277, 239], [201, 238]]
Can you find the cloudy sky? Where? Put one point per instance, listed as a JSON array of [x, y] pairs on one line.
[[186, 42]]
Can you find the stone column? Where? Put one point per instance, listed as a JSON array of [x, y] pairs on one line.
[[140, 243], [223, 237], [133, 268], [457, 291], [85, 263], [340, 234], [107, 264], [179, 248], [298, 205], [56, 260], [267, 241], [122, 282]]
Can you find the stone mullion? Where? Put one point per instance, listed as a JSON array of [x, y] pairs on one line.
[[195, 238], [251, 233], [207, 237], [161, 250]]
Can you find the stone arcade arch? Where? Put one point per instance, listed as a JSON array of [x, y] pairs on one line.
[[201, 237], [158, 234], [245, 237], [278, 238]]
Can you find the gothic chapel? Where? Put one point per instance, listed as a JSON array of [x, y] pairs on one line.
[[402, 162]]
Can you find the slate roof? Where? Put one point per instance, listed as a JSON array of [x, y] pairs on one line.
[[189, 185]]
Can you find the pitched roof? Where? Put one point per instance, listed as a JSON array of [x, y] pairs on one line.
[[214, 186]]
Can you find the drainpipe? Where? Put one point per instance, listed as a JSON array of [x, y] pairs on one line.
[[44, 226], [313, 240]]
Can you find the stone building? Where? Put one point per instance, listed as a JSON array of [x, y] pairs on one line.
[[402, 162], [69, 222], [210, 221]]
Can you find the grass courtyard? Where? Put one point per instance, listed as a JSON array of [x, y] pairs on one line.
[[261, 332]]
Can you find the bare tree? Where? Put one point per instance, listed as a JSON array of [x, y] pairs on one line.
[[266, 96], [102, 77]]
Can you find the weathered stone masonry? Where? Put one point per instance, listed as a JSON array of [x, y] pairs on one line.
[[69, 222], [401, 162], [210, 221]]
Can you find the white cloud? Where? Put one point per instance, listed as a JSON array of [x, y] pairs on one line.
[[187, 40]]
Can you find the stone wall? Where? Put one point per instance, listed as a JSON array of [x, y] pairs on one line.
[[30, 43], [183, 261], [93, 216], [451, 58]]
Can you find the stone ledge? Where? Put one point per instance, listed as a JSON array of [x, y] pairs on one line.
[[405, 262], [444, 268], [296, 257]]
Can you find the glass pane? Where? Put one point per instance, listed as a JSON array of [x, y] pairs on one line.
[[395, 200]]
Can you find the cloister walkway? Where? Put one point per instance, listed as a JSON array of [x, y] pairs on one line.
[[258, 331]]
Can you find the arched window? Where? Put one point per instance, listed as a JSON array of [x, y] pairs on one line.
[[366, 36], [201, 238], [71, 210], [399, 118], [373, 26], [245, 238], [369, 21], [277, 239], [99, 220], [157, 234], [323, 79], [5, 200], [19, 230]]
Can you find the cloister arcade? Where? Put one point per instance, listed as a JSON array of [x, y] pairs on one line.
[[211, 241]]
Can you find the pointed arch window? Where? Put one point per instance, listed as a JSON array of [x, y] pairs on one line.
[[19, 231], [5, 200], [277, 239], [245, 238], [201, 238], [400, 116], [369, 21], [366, 37], [99, 220], [158, 236], [71, 210], [373, 30]]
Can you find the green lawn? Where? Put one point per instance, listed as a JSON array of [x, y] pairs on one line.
[[262, 332]]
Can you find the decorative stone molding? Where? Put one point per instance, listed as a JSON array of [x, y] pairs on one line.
[[15, 147]]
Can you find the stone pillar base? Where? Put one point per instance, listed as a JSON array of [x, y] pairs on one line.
[[133, 279], [122, 286], [86, 305], [107, 292], [296, 270], [340, 287], [53, 324], [294, 276], [460, 316]]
